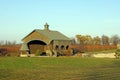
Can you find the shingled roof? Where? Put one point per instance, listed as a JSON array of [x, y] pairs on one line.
[[50, 34], [53, 35]]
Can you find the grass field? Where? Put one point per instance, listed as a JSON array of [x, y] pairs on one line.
[[60, 68]]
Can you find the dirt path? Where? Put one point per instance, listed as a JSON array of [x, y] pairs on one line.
[[103, 55]]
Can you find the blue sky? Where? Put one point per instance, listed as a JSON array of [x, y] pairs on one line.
[[94, 17]]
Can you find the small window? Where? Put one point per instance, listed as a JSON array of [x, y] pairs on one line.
[[67, 47], [62, 47], [56, 47]]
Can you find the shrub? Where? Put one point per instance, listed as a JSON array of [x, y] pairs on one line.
[[117, 53], [8, 54], [3, 51]]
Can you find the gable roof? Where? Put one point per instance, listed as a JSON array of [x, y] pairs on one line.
[[52, 35], [49, 34]]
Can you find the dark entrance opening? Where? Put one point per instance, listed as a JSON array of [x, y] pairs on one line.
[[36, 45]]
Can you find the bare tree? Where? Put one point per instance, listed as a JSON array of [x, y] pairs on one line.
[[73, 41], [105, 40], [1, 43], [115, 39], [7, 43]]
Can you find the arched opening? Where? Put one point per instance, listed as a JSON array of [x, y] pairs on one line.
[[62, 47], [36, 42], [56, 47], [67, 47], [35, 46]]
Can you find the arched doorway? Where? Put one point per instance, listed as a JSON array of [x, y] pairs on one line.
[[35, 45]]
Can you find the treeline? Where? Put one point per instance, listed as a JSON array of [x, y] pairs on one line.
[[87, 43], [9, 48], [103, 40], [8, 43]]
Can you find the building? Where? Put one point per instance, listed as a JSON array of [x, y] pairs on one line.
[[46, 41]]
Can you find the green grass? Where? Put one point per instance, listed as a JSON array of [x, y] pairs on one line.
[[60, 68]]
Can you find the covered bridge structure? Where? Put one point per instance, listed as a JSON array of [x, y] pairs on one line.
[[46, 42]]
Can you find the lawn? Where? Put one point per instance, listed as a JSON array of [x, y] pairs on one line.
[[59, 68]]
